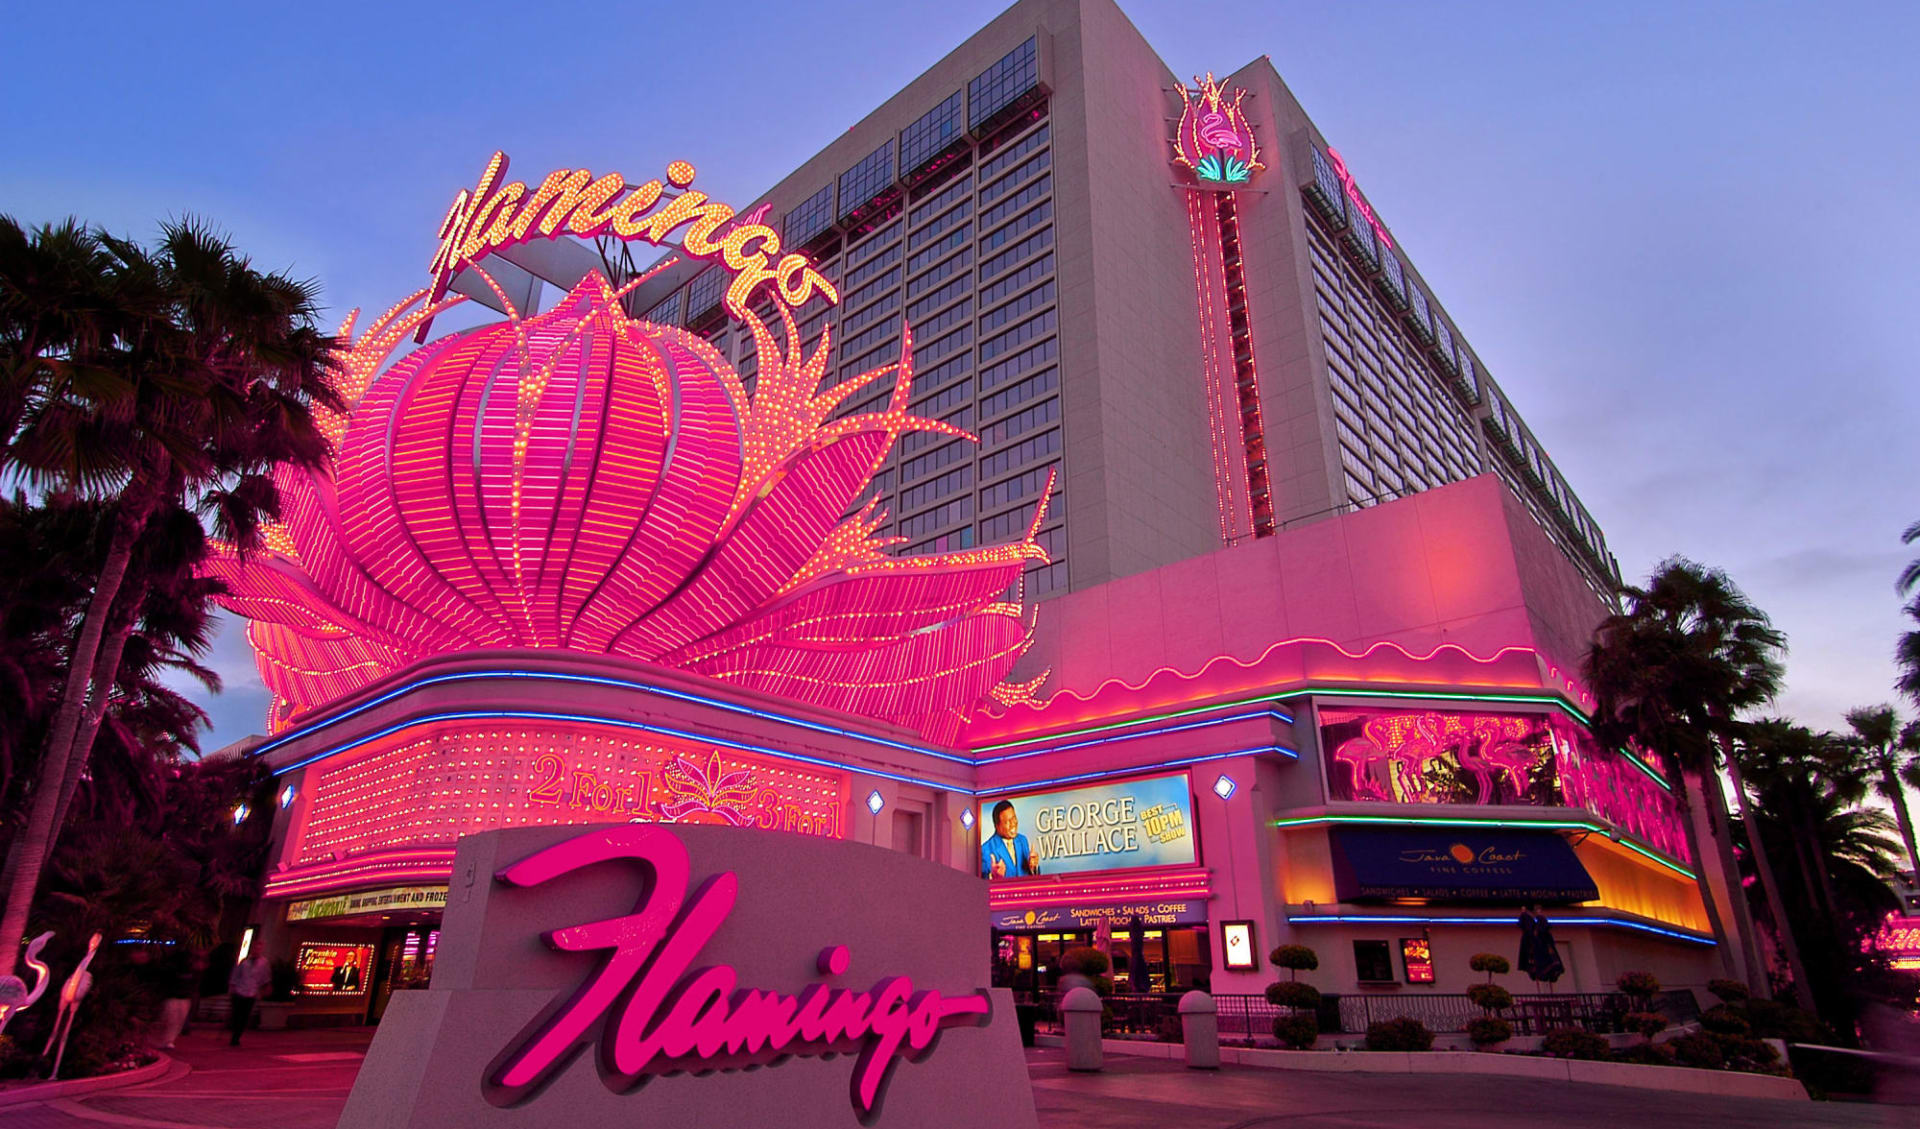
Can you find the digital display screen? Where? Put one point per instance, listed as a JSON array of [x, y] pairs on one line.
[[328, 969], [1236, 941], [1417, 954], [1147, 821]]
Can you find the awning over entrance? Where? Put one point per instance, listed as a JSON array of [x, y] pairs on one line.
[[1452, 864]]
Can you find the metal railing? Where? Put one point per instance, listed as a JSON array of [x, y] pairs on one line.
[[1251, 1016]]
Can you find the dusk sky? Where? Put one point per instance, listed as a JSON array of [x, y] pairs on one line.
[[1681, 236]]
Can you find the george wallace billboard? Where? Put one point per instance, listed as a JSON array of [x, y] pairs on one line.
[[1146, 821], [652, 974]]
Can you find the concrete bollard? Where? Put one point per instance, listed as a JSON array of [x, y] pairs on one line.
[[1081, 1009], [1200, 1026]]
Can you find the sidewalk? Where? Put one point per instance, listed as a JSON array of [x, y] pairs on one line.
[[274, 1080], [1146, 1091]]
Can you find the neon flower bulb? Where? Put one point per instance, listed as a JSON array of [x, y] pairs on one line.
[[583, 481]]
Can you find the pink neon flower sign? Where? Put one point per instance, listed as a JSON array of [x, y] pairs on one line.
[[584, 481]]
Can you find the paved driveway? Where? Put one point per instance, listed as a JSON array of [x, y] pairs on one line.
[[275, 1080], [300, 1079]]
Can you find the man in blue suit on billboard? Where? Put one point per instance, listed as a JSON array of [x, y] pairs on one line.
[[1005, 852]]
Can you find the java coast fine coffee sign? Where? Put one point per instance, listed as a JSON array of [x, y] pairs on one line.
[[715, 976]]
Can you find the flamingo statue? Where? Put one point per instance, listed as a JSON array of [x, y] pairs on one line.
[[71, 993], [15, 997]]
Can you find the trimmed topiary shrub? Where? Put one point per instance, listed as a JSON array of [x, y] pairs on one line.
[[1644, 1054], [1698, 1050], [1639, 985], [1297, 1032], [1572, 1042], [1724, 1020], [1647, 1024], [1492, 997], [1399, 1035], [1295, 958], [1292, 993], [1086, 960], [1489, 1030], [1493, 964], [1732, 991]]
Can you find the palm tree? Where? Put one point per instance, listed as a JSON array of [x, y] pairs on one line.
[[163, 380], [1809, 812], [1671, 673], [1906, 653], [1891, 753], [1797, 775]]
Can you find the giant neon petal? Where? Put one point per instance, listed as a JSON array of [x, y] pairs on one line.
[[583, 481]]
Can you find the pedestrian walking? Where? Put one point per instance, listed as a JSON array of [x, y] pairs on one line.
[[249, 979]]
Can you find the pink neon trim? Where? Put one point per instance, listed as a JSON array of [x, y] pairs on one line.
[[676, 1020], [1248, 664]]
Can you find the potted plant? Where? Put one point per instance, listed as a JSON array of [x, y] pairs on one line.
[[275, 1010]]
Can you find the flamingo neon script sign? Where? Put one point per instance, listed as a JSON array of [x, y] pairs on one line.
[[662, 1019], [498, 213]]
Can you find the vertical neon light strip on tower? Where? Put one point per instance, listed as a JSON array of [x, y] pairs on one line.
[[1229, 450], [1215, 143]]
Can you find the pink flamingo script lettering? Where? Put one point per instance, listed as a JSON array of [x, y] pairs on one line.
[[662, 1018]]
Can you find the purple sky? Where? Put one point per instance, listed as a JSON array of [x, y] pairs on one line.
[[1680, 235]]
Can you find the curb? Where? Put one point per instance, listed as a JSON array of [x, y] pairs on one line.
[[77, 1087], [1722, 1083]]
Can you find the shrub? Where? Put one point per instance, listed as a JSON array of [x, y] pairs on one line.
[[1399, 1035], [1292, 993], [1488, 1030], [1171, 1030], [1724, 1020], [1645, 1054], [1771, 1019], [1492, 997], [1698, 1050], [1646, 1023], [1742, 1052], [1732, 991], [1297, 958], [1640, 985], [1086, 960], [1572, 1042], [1297, 1032], [1493, 964]]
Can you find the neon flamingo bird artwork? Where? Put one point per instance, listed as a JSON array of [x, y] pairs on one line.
[[15, 996], [71, 993]]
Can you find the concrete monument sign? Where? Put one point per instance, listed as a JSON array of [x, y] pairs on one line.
[[716, 976]]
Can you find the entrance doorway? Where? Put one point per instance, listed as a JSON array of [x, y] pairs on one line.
[[405, 964]]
